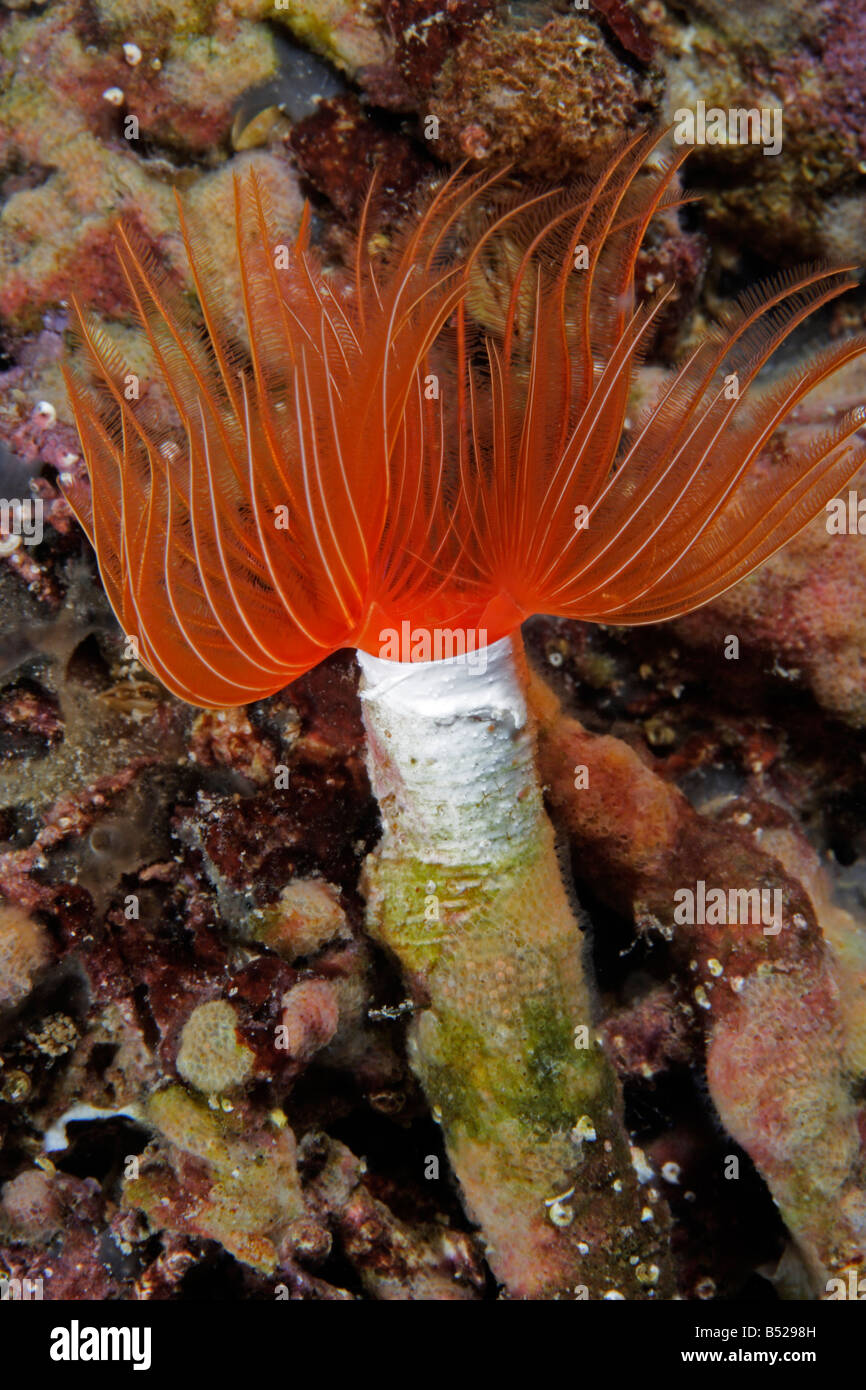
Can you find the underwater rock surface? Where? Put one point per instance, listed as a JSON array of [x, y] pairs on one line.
[[204, 1084]]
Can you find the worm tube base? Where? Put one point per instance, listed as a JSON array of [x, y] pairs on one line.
[[465, 889]]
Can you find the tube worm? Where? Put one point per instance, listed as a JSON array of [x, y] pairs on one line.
[[465, 889], [443, 437]]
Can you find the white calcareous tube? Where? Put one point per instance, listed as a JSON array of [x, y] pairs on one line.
[[452, 752]]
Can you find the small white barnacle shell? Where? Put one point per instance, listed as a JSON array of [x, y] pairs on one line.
[[560, 1213], [584, 1131]]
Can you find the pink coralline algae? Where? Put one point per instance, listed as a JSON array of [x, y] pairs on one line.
[[765, 992], [804, 613]]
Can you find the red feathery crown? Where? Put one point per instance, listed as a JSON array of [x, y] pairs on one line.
[[439, 437]]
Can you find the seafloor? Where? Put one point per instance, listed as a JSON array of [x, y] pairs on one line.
[[164, 902]]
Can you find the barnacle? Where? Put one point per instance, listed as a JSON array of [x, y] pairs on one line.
[[430, 466]]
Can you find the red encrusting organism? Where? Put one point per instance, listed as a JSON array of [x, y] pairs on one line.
[[445, 431]]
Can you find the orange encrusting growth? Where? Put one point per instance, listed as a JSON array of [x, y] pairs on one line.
[[434, 422]]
